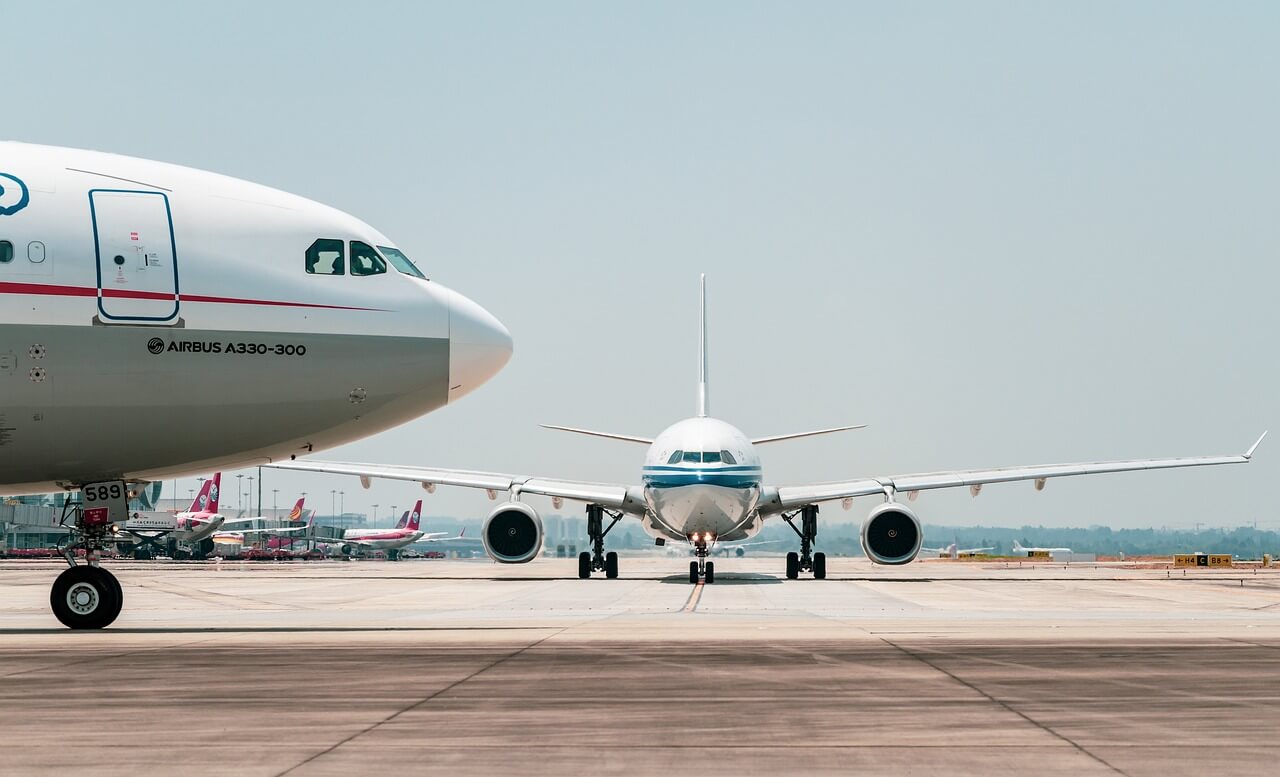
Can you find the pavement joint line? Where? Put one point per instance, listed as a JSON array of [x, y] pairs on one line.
[[694, 596], [421, 702], [1043, 727]]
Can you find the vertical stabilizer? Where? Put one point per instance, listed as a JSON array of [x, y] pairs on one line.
[[207, 500], [704, 401], [296, 513], [404, 520], [415, 516]]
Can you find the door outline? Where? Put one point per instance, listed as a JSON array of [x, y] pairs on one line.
[[97, 253]]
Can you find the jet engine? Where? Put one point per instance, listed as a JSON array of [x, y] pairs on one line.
[[891, 534], [512, 533]]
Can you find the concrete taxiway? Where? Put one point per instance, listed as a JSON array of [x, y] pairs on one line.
[[469, 668]]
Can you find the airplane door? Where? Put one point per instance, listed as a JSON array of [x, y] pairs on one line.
[[137, 256]]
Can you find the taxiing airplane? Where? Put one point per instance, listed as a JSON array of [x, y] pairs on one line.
[[138, 295], [951, 551], [405, 533], [702, 483], [1018, 550]]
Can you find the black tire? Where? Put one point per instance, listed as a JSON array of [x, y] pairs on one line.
[[819, 566], [710, 576], [693, 572], [584, 565], [793, 565], [85, 597], [114, 582], [611, 565], [393, 555]]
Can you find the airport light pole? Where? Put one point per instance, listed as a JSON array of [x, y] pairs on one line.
[[240, 491], [333, 500], [391, 519], [342, 508], [274, 507], [375, 516], [250, 494]]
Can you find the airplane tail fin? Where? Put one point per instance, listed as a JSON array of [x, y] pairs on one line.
[[704, 399], [207, 499], [296, 513], [1017, 547], [415, 517], [404, 520]]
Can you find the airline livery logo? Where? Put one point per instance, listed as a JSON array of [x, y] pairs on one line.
[[13, 195], [155, 345]]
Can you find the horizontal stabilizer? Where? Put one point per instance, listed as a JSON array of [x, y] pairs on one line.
[[780, 437], [623, 437]]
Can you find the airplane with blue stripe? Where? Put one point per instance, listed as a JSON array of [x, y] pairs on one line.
[[702, 483]]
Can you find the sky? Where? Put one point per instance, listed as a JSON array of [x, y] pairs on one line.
[[998, 233]]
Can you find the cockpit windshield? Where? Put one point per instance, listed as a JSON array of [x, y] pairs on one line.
[[401, 262], [702, 457]]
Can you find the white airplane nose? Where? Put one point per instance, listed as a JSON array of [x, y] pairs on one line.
[[479, 346]]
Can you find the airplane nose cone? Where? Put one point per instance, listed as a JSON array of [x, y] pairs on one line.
[[479, 346]]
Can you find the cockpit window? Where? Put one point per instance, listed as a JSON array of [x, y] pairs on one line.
[[326, 257], [675, 457], [401, 262], [693, 456], [710, 457], [727, 457], [365, 260]]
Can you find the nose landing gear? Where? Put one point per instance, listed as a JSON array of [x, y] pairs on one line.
[[86, 596], [806, 560], [596, 560], [701, 569]]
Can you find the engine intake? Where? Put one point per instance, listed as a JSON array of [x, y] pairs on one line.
[[512, 533], [891, 534]]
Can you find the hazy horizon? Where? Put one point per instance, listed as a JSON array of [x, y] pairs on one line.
[[999, 234]]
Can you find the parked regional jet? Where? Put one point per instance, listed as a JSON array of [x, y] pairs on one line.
[[295, 516], [702, 483], [244, 323]]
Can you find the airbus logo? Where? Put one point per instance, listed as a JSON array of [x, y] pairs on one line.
[[155, 345], [14, 195]]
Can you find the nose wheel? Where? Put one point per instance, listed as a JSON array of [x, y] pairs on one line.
[[702, 569], [806, 560], [86, 597], [596, 560]]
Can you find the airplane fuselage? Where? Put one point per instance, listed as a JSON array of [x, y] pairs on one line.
[[157, 320]]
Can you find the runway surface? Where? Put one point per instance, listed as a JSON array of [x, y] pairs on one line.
[[468, 668]]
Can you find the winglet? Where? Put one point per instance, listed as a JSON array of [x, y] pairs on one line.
[[1249, 455]]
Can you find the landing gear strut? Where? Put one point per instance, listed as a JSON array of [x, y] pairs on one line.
[[701, 569], [596, 560], [86, 596], [806, 560]]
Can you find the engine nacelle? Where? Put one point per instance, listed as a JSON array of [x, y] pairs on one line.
[[512, 533], [891, 534]]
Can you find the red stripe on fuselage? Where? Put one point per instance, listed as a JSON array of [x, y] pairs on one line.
[[50, 290]]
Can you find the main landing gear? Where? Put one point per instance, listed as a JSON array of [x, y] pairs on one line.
[[86, 596], [805, 560], [596, 560], [702, 569]]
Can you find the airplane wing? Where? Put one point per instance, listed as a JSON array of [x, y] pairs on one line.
[[791, 497], [606, 494]]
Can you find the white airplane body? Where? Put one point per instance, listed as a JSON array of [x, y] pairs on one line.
[[702, 482], [141, 296], [952, 551], [405, 533], [1018, 550]]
